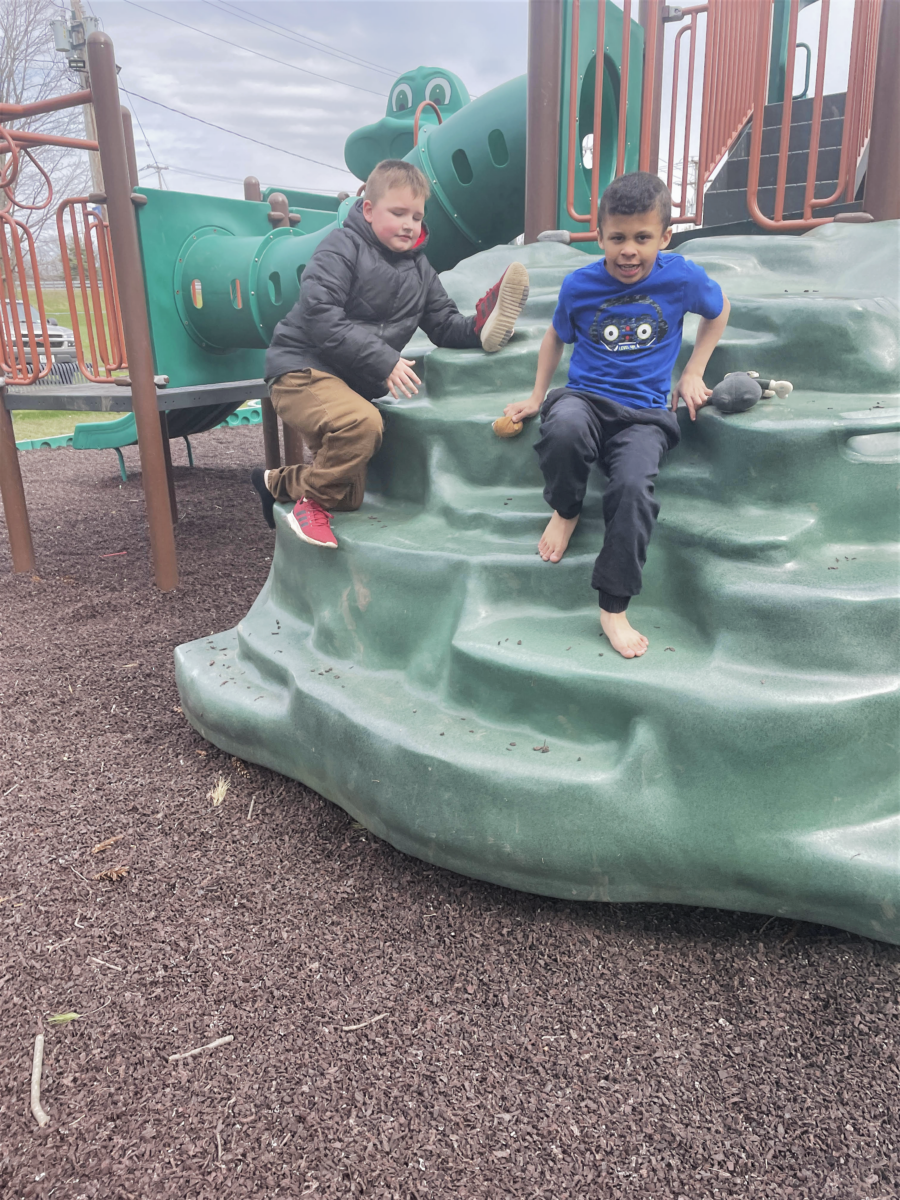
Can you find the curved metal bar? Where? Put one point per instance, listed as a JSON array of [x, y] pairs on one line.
[[425, 104]]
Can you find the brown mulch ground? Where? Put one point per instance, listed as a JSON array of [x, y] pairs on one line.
[[524, 1047]]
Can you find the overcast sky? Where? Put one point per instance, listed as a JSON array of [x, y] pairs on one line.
[[338, 59], [483, 41]]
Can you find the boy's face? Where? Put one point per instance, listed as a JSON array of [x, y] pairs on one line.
[[631, 244], [396, 218]]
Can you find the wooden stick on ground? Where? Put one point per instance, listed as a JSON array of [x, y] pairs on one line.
[[363, 1024], [37, 1065], [209, 1046]]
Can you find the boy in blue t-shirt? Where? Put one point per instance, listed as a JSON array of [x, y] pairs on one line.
[[624, 313]]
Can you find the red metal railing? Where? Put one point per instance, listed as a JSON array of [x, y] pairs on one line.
[[91, 249], [573, 155], [22, 347], [728, 41], [857, 115], [24, 358]]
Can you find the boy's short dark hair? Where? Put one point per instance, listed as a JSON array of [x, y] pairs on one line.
[[392, 173], [637, 192]]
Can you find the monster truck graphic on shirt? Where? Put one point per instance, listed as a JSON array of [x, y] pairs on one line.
[[628, 323]]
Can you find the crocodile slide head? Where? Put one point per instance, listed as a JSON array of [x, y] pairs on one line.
[[392, 136]]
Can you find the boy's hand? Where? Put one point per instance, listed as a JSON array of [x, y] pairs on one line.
[[521, 410], [403, 378], [693, 391]]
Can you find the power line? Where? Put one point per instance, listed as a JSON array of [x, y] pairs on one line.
[[258, 53], [231, 179], [303, 38], [233, 132]]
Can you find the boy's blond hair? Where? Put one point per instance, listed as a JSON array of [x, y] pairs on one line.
[[395, 173]]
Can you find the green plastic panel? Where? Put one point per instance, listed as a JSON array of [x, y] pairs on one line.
[[447, 687], [248, 274], [47, 443], [608, 142], [475, 163]]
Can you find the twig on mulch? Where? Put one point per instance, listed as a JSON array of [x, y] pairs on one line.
[[363, 1024], [111, 841], [209, 1046], [37, 1065]]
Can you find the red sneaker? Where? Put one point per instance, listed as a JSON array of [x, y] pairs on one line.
[[311, 522], [498, 310]]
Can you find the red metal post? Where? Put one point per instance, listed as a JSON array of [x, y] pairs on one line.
[[816, 128], [650, 17], [623, 88], [123, 231], [542, 116], [13, 494], [599, 73], [128, 130], [882, 195]]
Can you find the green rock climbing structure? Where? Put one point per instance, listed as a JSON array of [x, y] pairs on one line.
[[447, 687]]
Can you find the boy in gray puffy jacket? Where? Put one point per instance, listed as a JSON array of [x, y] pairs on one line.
[[366, 289]]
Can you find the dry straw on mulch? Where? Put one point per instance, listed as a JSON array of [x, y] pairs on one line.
[[523, 1047]]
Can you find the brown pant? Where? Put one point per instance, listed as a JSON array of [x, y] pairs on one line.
[[342, 431]]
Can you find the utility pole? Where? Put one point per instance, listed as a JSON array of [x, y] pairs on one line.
[[71, 39]]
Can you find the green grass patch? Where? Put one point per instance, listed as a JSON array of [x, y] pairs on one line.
[[30, 425]]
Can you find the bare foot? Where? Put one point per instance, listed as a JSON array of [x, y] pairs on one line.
[[628, 642], [555, 538]]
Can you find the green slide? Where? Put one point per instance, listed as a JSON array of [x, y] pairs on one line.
[[447, 687]]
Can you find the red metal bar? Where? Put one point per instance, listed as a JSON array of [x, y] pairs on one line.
[[54, 104], [623, 87], [15, 285], [816, 127], [787, 106], [573, 114], [25, 138], [689, 115], [858, 107], [425, 104], [599, 75], [13, 494], [673, 108]]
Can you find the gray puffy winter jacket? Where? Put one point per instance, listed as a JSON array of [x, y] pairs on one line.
[[359, 305]]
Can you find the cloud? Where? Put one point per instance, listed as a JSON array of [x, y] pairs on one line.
[[482, 41]]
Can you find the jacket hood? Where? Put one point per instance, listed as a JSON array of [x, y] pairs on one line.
[[357, 223]]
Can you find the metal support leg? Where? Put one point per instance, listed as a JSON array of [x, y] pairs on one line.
[[130, 272], [170, 478], [13, 494]]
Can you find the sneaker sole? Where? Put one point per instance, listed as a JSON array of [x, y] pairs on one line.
[[500, 325], [295, 525]]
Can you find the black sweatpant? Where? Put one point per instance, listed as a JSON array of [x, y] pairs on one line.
[[579, 429]]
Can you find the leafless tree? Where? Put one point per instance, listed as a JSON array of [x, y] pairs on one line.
[[31, 69]]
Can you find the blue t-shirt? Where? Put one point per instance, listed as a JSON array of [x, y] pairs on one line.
[[627, 336]]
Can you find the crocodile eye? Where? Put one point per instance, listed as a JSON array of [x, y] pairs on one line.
[[438, 91], [644, 331], [401, 97], [610, 333]]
